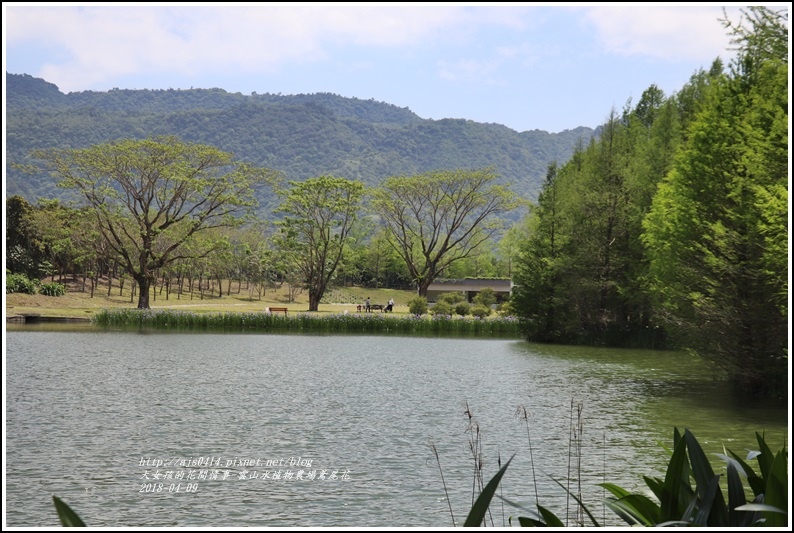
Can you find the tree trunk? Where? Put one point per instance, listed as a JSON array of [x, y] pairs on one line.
[[314, 300], [144, 283], [112, 274], [423, 287]]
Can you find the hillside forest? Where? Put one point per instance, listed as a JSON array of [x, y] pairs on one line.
[[300, 136]]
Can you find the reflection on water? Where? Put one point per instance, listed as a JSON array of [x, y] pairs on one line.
[[90, 412]]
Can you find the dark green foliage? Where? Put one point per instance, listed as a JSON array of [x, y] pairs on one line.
[[716, 234], [486, 297], [462, 308], [417, 305], [371, 262], [24, 253], [52, 289], [691, 494], [451, 298], [580, 274], [19, 283], [480, 311], [704, 504], [442, 309], [65, 513], [670, 228], [25, 91]]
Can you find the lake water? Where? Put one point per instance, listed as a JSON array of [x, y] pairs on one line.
[[110, 422]]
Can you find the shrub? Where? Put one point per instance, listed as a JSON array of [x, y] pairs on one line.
[[505, 309], [53, 289], [486, 297], [462, 308], [442, 308], [417, 305], [480, 311], [19, 283], [451, 297]]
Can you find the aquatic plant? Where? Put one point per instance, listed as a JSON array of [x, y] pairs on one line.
[[689, 495]]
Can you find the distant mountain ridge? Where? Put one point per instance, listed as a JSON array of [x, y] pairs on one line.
[[302, 135]]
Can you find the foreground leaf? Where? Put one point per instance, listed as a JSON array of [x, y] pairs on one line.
[[480, 507], [68, 517], [635, 509]]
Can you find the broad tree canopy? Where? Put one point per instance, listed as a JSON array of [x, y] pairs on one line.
[[438, 218], [319, 214], [153, 197]]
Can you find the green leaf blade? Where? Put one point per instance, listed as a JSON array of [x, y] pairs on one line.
[[68, 517]]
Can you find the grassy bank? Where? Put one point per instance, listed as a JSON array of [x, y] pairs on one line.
[[78, 302], [240, 309]]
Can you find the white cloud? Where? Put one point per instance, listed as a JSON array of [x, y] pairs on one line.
[[669, 32], [486, 71], [470, 70], [99, 43], [523, 54]]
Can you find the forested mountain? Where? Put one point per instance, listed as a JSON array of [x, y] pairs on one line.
[[300, 135]]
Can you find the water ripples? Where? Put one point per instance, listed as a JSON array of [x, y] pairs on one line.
[[83, 409]]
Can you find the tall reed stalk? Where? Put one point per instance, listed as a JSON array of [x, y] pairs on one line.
[[575, 454], [443, 482], [523, 414]]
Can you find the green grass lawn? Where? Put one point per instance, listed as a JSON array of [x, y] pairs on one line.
[[78, 301]]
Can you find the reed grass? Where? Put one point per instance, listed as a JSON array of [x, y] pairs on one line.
[[523, 414], [309, 322], [575, 455], [443, 481]]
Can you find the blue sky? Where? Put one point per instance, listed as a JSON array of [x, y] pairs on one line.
[[527, 66]]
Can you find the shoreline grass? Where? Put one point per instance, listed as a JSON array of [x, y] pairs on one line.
[[308, 322]]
